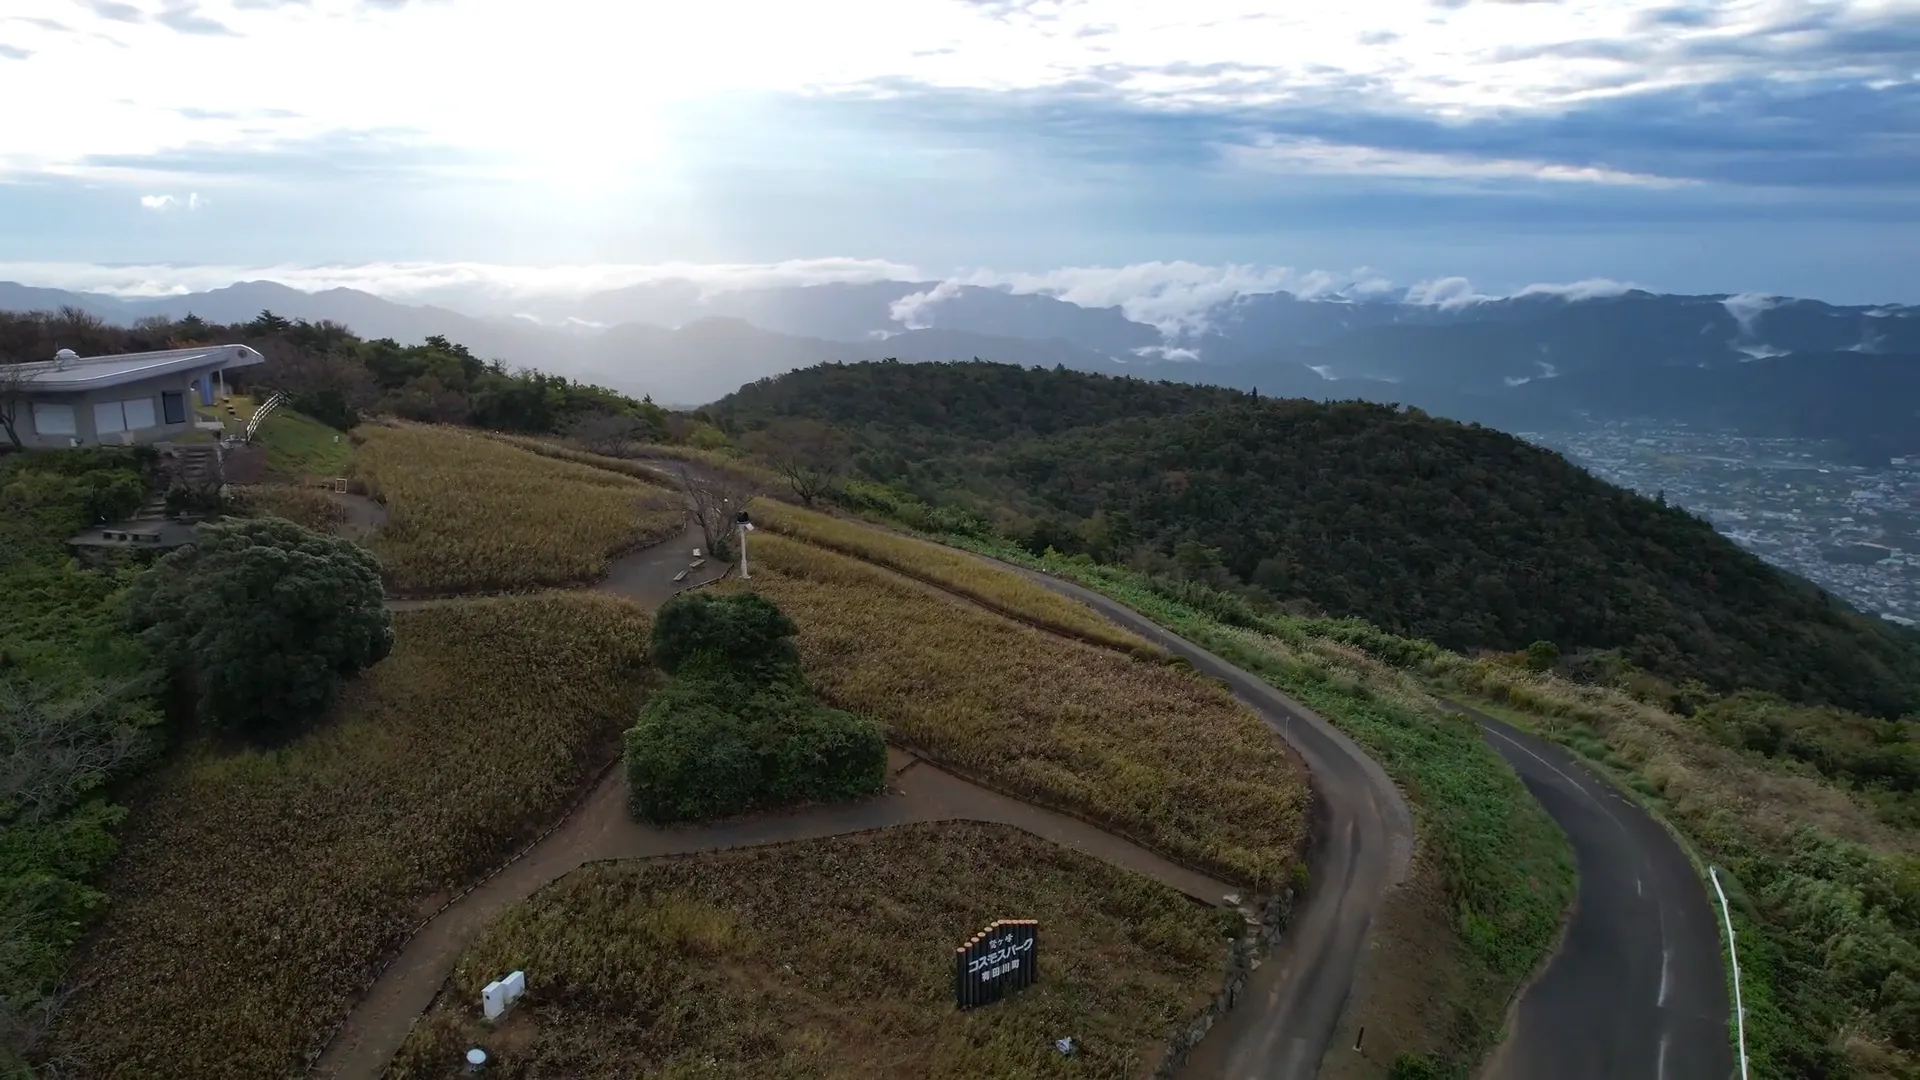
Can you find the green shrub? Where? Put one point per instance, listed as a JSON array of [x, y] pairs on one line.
[[744, 631], [264, 618], [737, 728], [712, 744]]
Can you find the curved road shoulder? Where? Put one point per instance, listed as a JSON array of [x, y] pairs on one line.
[[1637, 990], [1363, 843]]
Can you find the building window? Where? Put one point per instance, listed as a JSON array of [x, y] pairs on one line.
[[112, 417], [174, 405], [139, 413], [51, 419], [108, 419]]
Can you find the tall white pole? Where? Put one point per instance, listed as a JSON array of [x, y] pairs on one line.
[[1739, 1010], [743, 553]]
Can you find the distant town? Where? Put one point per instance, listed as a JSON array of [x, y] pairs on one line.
[[1853, 530]]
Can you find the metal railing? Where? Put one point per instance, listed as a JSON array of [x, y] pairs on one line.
[[261, 413], [1739, 1009]]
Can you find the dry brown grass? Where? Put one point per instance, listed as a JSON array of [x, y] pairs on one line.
[[307, 506], [991, 586], [257, 891], [467, 513], [640, 470], [831, 958], [1699, 778], [1158, 753]]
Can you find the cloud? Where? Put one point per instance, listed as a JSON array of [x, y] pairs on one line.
[[186, 19], [163, 203], [14, 52], [907, 310], [114, 10], [1747, 307], [1316, 157]]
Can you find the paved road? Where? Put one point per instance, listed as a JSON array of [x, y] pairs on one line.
[[1637, 991], [1364, 839]]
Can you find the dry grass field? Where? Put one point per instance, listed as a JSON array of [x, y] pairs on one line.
[[258, 890], [308, 506], [468, 513], [1158, 753], [831, 959], [991, 586], [559, 451]]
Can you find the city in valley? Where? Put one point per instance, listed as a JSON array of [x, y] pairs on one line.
[[1852, 529]]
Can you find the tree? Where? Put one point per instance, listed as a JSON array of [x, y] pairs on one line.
[[607, 433], [807, 452], [713, 501], [13, 400], [264, 618]]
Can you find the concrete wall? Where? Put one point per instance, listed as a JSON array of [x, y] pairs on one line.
[[84, 428]]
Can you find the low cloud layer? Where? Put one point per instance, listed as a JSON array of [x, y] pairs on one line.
[[1175, 297]]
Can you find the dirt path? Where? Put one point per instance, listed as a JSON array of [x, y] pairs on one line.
[[602, 829], [364, 515]]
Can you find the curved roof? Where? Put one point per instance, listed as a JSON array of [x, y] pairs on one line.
[[102, 372]]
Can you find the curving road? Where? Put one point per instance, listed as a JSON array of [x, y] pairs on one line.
[[1363, 841], [1637, 990]]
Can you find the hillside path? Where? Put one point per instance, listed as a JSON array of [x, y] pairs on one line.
[[1363, 842], [1637, 990], [601, 829]]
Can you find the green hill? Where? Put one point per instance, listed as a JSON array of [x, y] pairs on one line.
[[1429, 528]]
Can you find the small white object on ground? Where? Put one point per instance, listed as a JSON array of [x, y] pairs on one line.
[[1065, 1045], [476, 1057]]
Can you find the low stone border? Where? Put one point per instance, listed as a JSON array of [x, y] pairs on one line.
[[1247, 953]]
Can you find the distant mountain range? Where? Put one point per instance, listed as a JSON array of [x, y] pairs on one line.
[[1764, 365]]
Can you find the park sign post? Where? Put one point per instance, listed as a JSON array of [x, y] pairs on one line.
[[995, 962]]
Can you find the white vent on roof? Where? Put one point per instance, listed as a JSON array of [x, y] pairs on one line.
[[64, 357]]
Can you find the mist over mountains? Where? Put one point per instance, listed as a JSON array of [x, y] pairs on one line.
[[1760, 365]]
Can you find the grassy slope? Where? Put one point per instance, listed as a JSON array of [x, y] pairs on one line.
[[259, 890], [1156, 752], [470, 513], [832, 958], [1007, 594]]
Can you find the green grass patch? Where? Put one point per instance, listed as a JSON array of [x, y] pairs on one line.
[[301, 447]]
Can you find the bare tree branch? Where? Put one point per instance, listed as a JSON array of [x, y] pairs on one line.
[[808, 453], [713, 500], [13, 400]]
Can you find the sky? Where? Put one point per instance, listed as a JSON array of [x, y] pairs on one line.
[[398, 145]]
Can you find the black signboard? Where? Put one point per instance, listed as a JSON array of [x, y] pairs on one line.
[[997, 961]]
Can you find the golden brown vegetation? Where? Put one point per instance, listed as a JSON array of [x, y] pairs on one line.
[[467, 513], [652, 474], [1153, 751], [831, 958], [258, 891], [1002, 590], [307, 506]]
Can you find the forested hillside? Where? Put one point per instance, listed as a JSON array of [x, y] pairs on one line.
[[1427, 527]]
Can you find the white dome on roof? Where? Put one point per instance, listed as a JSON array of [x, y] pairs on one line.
[[66, 354]]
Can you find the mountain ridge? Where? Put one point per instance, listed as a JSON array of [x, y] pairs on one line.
[[1461, 359]]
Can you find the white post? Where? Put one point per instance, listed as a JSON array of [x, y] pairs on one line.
[[743, 551], [1739, 1010]]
